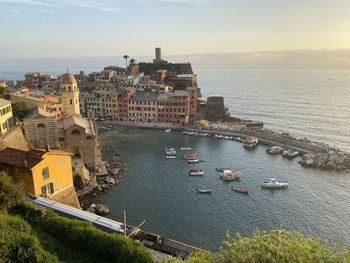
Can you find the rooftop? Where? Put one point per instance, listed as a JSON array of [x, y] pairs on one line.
[[4, 102], [21, 158], [69, 121], [38, 112]]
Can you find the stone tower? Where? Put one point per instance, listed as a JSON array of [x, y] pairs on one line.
[[70, 95]]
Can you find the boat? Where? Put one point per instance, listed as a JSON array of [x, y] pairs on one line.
[[203, 134], [274, 184], [196, 172], [250, 143], [193, 161], [204, 191], [170, 153], [185, 148], [191, 156], [228, 175], [227, 137], [275, 150], [240, 189], [218, 136], [221, 169], [170, 156], [104, 128], [168, 130], [289, 153], [169, 149]]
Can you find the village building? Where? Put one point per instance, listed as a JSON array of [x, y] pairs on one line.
[[43, 173], [6, 118], [78, 135], [40, 129], [104, 104], [70, 95]]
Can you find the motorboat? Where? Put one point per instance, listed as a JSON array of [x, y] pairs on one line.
[[203, 134], [104, 128], [196, 172], [169, 149], [227, 137], [228, 175], [240, 189], [204, 191], [250, 143], [193, 161], [170, 152], [221, 169], [275, 150], [274, 184], [170, 156], [168, 130], [191, 156], [289, 153], [185, 148], [218, 136]]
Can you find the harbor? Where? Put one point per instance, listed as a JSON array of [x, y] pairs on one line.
[[171, 195]]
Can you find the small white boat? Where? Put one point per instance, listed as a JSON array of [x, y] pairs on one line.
[[218, 136], [170, 156], [185, 148], [196, 172], [168, 130], [169, 149], [193, 161], [173, 153], [275, 184], [203, 134], [290, 153], [275, 150], [204, 191]]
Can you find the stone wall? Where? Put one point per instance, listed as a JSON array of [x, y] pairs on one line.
[[14, 139]]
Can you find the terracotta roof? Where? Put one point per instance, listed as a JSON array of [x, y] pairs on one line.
[[21, 158], [38, 112], [4, 102]]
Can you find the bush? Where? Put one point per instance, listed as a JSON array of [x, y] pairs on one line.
[[10, 194], [276, 246], [88, 240], [17, 244]]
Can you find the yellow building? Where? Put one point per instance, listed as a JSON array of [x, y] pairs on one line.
[[6, 118], [45, 173], [70, 95]]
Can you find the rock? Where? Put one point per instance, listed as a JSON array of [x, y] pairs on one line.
[[92, 205], [110, 180], [101, 210], [104, 187], [114, 171], [91, 210], [309, 162]]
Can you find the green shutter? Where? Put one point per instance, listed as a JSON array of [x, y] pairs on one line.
[[43, 190], [51, 188]]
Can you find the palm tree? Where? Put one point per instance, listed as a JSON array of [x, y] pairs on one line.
[[126, 60]]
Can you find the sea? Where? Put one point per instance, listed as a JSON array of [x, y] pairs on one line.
[[306, 103]]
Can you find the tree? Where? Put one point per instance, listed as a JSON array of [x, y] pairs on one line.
[[132, 61], [10, 194], [126, 60]]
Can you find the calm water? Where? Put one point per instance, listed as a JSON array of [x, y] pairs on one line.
[[312, 103], [161, 192]]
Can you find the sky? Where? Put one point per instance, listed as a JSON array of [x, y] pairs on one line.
[[83, 28]]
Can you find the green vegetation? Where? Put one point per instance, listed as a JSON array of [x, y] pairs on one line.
[[10, 194], [31, 235], [280, 246]]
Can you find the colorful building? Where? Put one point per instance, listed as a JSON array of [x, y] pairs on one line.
[[45, 173], [6, 118]]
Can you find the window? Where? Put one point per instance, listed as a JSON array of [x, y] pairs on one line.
[[70, 101], [45, 173], [75, 132], [47, 189]]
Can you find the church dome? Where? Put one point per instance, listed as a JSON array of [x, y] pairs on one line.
[[68, 78]]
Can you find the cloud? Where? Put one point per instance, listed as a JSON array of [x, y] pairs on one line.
[[102, 6], [15, 11]]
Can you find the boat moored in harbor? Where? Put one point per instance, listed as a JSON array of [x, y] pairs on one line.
[[193, 161], [190, 156], [228, 175], [196, 172], [289, 153], [222, 169], [240, 189], [185, 148], [204, 191], [275, 150], [168, 130], [275, 184]]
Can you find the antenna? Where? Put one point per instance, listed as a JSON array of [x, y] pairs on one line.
[[67, 69]]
